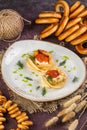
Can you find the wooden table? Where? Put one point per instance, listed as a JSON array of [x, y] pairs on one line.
[[30, 9]]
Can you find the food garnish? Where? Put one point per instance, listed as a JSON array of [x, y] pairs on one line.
[[20, 64]]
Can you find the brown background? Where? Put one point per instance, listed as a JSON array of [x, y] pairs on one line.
[[30, 9]]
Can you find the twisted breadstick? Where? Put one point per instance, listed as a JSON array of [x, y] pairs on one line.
[[46, 20], [80, 39], [50, 14], [72, 22], [64, 5], [49, 30], [77, 11], [62, 25], [76, 34], [74, 6], [14, 112], [83, 14], [81, 49], [68, 32]]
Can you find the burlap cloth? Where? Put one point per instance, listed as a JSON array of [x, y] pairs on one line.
[[32, 106]]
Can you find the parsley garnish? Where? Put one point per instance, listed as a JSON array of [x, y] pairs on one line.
[[43, 91], [50, 79], [62, 63], [20, 64], [32, 57], [75, 79], [37, 87], [28, 78], [51, 51]]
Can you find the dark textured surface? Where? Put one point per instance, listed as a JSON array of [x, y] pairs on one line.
[[29, 9]]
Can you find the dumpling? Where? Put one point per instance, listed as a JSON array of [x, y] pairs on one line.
[[40, 60], [54, 78]]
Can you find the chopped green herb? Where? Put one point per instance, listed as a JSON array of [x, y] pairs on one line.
[[62, 63], [33, 72], [29, 84], [20, 64], [37, 87], [32, 57], [56, 60], [20, 74], [64, 66], [24, 55], [19, 68], [43, 91], [75, 79], [30, 91], [37, 75], [25, 80], [51, 51], [15, 71], [28, 78], [50, 79], [74, 68], [65, 57], [69, 71]]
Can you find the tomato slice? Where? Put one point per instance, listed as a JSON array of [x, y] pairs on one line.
[[52, 73], [42, 58]]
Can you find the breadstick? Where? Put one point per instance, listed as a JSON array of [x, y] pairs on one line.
[[27, 123], [49, 31], [64, 5], [23, 114], [80, 106], [2, 119], [72, 22], [15, 114], [73, 125], [74, 6], [46, 20], [51, 121], [76, 34], [7, 104], [12, 107], [2, 99], [47, 28], [83, 14], [50, 14], [2, 109], [18, 129], [77, 11], [80, 39], [71, 101], [0, 122], [22, 119], [23, 127], [2, 127], [13, 111], [66, 110], [68, 116], [1, 114], [68, 32], [81, 49], [85, 22], [62, 25]]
